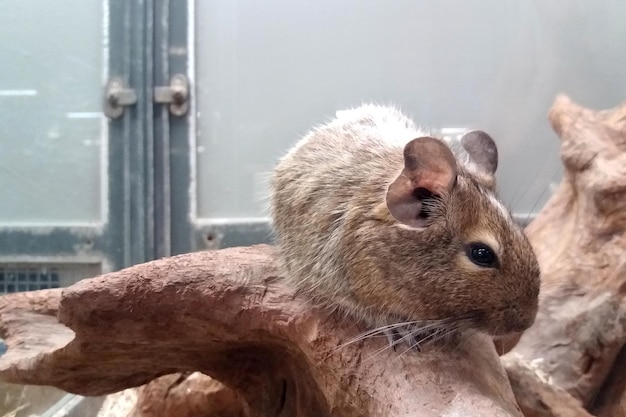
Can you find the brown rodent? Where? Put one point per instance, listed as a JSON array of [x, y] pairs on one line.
[[386, 224]]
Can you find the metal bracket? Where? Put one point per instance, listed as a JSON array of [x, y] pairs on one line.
[[117, 97], [176, 95]]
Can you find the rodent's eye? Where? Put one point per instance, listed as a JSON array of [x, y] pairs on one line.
[[482, 255]]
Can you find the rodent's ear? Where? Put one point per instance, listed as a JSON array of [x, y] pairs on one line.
[[429, 171], [482, 150]]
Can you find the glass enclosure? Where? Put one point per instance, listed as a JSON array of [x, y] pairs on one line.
[[268, 71], [53, 137], [86, 190]]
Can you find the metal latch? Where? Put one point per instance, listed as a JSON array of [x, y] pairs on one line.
[[117, 97], [176, 95]]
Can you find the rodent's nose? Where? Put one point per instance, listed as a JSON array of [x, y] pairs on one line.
[[519, 319]]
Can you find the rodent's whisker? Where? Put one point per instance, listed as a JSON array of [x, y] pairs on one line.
[[411, 331], [419, 336], [378, 331], [443, 330]]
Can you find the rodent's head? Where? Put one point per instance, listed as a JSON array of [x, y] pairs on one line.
[[453, 237]]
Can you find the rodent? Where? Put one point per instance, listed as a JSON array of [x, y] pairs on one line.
[[388, 224]]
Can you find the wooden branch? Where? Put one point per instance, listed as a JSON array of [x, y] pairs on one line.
[[189, 394], [536, 396], [580, 241], [611, 401], [228, 314], [44, 302]]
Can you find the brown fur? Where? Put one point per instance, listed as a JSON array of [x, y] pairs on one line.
[[341, 245]]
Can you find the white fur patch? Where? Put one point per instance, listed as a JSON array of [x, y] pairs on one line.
[[503, 211], [407, 227]]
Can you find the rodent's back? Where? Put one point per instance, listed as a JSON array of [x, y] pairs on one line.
[[336, 168]]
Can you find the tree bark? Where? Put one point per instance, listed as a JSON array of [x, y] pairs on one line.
[[228, 314], [580, 243], [536, 396], [190, 394]]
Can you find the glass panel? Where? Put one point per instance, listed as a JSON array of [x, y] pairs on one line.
[[52, 138], [269, 70]]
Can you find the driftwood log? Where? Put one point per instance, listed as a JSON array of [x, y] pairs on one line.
[[579, 237], [228, 315]]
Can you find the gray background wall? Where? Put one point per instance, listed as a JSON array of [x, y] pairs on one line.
[[269, 70]]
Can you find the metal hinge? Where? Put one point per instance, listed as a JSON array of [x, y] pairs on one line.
[[118, 96], [176, 95]]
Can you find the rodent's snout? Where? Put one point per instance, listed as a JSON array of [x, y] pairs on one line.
[[514, 316], [517, 320], [521, 301], [517, 316]]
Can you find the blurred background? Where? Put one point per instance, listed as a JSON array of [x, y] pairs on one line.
[[132, 130]]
